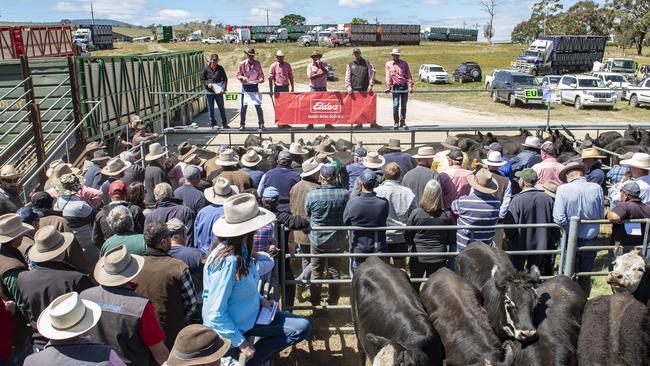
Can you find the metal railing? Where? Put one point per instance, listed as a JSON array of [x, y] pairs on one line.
[[284, 255]]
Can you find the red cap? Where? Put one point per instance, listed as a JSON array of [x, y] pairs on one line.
[[117, 188]]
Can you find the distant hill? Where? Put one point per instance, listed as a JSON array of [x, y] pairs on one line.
[[114, 23]]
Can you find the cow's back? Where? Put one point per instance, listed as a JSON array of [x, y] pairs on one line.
[[476, 261], [557, 318], [454, 307], [385, 304], [615, 331]]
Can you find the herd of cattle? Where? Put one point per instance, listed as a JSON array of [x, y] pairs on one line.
[[487, 313]]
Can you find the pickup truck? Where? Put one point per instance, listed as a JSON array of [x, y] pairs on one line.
[[640, 94], [516, 87], [212, 40]]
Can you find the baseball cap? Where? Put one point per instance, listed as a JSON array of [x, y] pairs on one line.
[[631, 188], [455, 155], [368, 178], [191, 172], [528, 175], [549, 147], [117, 188], [271, 192], [284, 155], [328, 171], [42, 201], [495, 146]]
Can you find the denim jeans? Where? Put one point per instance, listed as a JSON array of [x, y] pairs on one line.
[[312, 89], [585, 263], [399, 103], [211, 98], [319, 266], [281, 88], [244, 107], [286, 330]]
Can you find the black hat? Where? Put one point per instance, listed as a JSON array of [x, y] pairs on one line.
[[42, 201]]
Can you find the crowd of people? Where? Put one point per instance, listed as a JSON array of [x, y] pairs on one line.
[[119, 264], [359, 77]]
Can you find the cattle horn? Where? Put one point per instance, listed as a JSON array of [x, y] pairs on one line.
[[618, 249], [566, 130]]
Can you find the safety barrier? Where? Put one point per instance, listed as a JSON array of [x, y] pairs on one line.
[[567, 250]]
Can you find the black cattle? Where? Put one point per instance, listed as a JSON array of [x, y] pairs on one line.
[[508, 295], [557, 318], [606, 138], [390, 322], [615, 331], [454, 307]]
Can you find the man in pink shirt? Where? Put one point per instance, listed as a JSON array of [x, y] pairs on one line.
[[317, 74], [399, 81], [549, 168], [250, 74], [280, 75], [454, 180]]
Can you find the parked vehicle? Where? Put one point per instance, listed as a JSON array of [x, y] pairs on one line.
[[239, 35], [614, 81], [586, 91], [640, 94], [196, 36], [467, 72], [516, 87], [489, 78], [551, 81], [561, 54], [280, 36], [623, 66], [164, 33], [213, 40], [432, 74], [94, 37]]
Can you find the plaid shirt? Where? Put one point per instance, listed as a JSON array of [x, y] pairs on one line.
[[616, 173], [188, 293], [263, 238], [325, 206]]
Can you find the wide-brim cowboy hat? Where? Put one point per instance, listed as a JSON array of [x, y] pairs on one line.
[[374, 165], [242, 220], [100, 157], [89, 319], [312, 171], [451, 142], [394, 145], [12, 227], [197, 345], [296, 149], [490, 187], [217, 199], [36, 256], [251, 163], [94, 146], [111, 173], [427, 153], [591, 153], [316, 53], [191, 150], [9, 172], [250, 52], [638, 160], [125, 275], [569, 168], [156, 151], [549, 187], [395, 51]]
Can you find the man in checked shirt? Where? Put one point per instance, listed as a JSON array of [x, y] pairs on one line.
[[398, 81], [250, 74]]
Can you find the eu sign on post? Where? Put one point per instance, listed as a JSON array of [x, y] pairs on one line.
[[232, 96], [531, 94]]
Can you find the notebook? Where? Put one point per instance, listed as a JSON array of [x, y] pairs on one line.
[[267, 315]]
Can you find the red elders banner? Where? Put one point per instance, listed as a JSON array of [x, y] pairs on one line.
[[333, 108]]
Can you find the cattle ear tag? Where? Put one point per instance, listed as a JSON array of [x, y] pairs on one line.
[[494, 271]]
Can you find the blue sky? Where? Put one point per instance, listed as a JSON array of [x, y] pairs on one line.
[[426, 12]]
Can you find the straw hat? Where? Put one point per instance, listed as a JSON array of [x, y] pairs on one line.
[[638, 160], [227, 158], [117, 267], [49, 244], [591, 153], [569, 168], [194, 159], [250, 51], [279, 54], [373, 160], [156, 151], [310, 167], [549, 187], [326, 148], [9, 172], [99, 156], [394, 145], [482, 181], [250, 159], [241, 215], [94, 146], [494, 159], [451, 142], [296, 149], [316, 53], [68, 316], [425, 152], [53, 164], [185, 149], [395, 51], [197, 344], [322, 157], [11, 227], [115, 167], [220, 191], [532, 141]]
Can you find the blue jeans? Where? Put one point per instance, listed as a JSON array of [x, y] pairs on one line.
[[400, 100], [286, 330], [281, 88], [312, 89], [244, 107], [585, 263], [211, 98]]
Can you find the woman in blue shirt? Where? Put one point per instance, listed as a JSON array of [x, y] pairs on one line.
[[231, 300]]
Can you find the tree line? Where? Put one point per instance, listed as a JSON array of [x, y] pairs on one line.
[[628, 21]]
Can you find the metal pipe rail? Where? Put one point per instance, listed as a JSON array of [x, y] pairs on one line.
[[15, 87]]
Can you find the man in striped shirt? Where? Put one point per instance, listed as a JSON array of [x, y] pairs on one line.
[[480, 207]]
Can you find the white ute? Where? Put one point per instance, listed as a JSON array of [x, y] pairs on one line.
[[640, 94], [433, 74], [586, 91]]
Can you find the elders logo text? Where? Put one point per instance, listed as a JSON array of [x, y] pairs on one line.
[[325, 106]]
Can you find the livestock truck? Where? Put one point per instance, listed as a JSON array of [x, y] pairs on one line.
[[561, 54], [164, 33], [94, 37]]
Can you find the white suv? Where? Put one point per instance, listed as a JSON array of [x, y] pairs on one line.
[[586, 91], [640, 94], [433, 74]]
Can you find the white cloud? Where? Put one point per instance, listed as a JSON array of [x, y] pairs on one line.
[[171, 15], [113, 9], [355, 3], [433, 2], [259, 9], [64, 6]]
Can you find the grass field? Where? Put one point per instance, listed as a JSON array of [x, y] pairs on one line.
[[449, 55]]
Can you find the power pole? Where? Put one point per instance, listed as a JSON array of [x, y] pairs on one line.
[[376, 20], [463, 23], [267, 17], [92, 14]]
